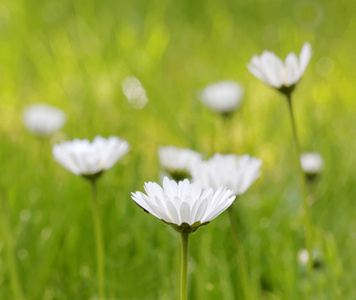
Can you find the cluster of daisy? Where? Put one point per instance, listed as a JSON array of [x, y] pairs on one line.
[[193, 191]]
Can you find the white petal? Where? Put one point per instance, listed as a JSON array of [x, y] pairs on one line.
[[153, 189], [257, 73], [185, 213], [229, 171], [173, 213], [255, 68], [200, 211], [163, 209], [226, 204], [207, 193], [62, 157], [184, 188], [170, 187], [177, 159], [292, 69], [304, 57], [196, 189], [157, 211], [140, 200], [272, 68]]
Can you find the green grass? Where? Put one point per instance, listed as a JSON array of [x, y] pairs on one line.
[[75, 54]]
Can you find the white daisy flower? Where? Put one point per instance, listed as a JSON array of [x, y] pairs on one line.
[[312, 162], [270, 69], [222, 97], [236, 173], [178, 162], [303, 257], [90, 159], [43, 120], [184, 205]]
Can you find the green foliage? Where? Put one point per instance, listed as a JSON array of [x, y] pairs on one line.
[[75, 54]]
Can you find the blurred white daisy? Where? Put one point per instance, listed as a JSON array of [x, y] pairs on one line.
[[134, 92], [222, 97], [303, 257], [184, 205], [178, 162], [270, 69], [312, 162], [43, 120], [230, 171], [89, 159]]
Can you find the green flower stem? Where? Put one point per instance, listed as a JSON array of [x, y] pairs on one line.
[[8, 240], [226, 128], [307, 220], [240, 257], [184, 266], [98, 241]]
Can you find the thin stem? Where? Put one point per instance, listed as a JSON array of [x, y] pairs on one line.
[[240, 256], [98, 241], [230, 212], [226, 128], [14, 279], [307, 220], [184, 266]]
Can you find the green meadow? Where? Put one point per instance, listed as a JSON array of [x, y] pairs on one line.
[[75, 54]]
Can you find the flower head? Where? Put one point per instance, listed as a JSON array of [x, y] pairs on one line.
[[303, 257], [312, 163], [223, 96], [89, 159], [270, 69], [236, 173], [183, 205], [43, 120], [178, 162]]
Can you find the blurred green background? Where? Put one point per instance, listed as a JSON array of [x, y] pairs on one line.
[[75, 54]]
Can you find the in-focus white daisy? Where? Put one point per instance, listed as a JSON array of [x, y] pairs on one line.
[[222, 97], [312, 163], [236, 173], [89, 159], [43, 120], [270, 69], [134, 92], [178, 162], [184, 205]]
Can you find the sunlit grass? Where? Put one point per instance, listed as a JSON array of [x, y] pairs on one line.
[[74, 55]]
